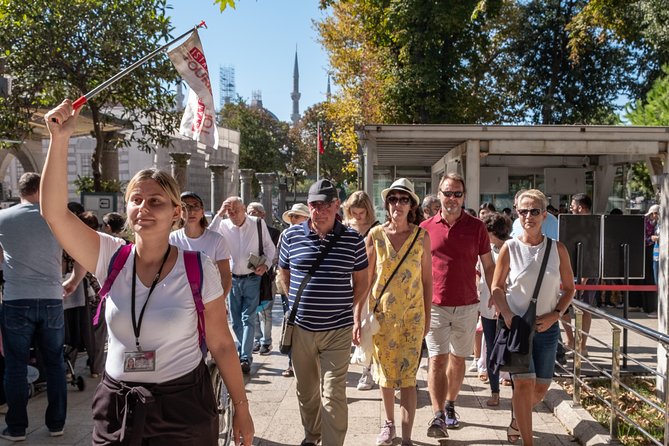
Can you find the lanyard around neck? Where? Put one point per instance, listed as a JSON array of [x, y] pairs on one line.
[[137, 325]]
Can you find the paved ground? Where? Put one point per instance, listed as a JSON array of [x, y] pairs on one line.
[[277, 420]]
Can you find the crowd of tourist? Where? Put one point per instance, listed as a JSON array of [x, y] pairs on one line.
[[435, 277]]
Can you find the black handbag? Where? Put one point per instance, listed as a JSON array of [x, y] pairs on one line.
[[266, 292], [512, 347], [286, 341]]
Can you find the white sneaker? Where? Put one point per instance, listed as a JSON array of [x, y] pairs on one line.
[[474, 367], [366, 382]]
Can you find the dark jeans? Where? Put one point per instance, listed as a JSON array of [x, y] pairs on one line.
[[489, 331], [22, 321]]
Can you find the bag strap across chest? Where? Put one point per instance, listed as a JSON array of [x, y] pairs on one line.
[[193, 264]]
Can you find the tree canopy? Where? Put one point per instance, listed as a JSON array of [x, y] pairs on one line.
[[56, 49], [642, 25], [466, 62]]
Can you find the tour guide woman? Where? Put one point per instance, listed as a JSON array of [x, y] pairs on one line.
[[515, 278], [153, 346]]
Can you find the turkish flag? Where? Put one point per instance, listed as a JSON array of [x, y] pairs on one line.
[[321, 150]]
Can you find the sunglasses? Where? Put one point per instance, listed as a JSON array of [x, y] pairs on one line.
[[533, 212], [449, 194], [320, 205], [401, 200]]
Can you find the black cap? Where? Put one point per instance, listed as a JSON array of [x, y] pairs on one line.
[[190, 194], [322, 190]]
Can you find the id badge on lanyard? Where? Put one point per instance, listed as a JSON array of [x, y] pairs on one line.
[[141, 360]]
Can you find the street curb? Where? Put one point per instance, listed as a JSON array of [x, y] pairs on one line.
[[585, 429]]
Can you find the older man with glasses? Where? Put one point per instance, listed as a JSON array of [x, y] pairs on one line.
[[457, 241], [321, 342], [242, 234]]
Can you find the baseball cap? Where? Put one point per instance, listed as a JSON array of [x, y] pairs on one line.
[[191, 194], [322, 190]]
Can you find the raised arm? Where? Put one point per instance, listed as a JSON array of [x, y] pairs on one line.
[[80, 241]]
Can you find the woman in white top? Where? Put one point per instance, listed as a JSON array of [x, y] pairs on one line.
[[515, 278], [195, 236], [359, 215], [499, 227], [153, 343]]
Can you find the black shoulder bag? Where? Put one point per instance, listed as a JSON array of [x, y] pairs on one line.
[[286, 341], [267, 278], [512, 348]]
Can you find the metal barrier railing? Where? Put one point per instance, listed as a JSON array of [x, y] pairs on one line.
[[618, 325]]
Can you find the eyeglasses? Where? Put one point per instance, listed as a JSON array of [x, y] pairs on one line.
[[401, 200], [293, 216], [192, 208], [449, 194], [320, 205], [533, 212]]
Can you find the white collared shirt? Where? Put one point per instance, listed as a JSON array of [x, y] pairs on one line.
[[243, 240]]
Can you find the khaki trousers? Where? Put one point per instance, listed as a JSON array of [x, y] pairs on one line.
[[320, 362]]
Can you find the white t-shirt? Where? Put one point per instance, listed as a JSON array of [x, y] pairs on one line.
[[484, 291], [210, 243], [525, 263], [169, 325]]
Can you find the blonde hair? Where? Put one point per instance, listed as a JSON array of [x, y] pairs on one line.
[[359, 199], [535, 194], [164, 180]]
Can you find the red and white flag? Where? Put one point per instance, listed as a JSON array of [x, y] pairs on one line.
[[321, 150], [199, 119]]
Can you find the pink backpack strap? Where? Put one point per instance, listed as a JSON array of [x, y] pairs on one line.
[[193, 263], [115, 266]]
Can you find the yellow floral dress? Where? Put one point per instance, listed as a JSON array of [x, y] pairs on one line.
[[401, 312]]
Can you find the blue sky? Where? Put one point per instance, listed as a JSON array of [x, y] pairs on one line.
[[259, 38]]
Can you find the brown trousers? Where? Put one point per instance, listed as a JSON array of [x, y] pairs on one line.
[[180, 412]]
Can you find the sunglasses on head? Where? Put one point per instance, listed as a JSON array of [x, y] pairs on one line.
[[449, 194], [401, 200], [533, 212]]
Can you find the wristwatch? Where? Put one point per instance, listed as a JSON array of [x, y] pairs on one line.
[[557, 310]]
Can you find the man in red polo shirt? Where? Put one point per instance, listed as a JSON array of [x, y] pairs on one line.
[[458, 240]]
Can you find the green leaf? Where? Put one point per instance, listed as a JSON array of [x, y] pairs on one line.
[[223, 4]]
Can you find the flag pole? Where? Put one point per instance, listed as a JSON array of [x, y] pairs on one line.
[[318, 151], [94, 92]]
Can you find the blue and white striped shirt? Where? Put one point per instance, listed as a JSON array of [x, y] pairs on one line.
[[327, 300]]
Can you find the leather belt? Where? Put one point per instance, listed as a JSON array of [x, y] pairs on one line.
[[243, 276]]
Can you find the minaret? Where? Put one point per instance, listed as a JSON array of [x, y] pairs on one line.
[[295, 95]]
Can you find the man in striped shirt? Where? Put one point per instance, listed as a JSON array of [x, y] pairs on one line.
[[321, 343]]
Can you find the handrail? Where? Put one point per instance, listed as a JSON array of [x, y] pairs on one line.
[[617, 325], [624, 323]]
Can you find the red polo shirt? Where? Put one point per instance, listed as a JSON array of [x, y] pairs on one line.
[[455, 252]]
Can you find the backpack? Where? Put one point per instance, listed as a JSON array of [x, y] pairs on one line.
[[193, 263]]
